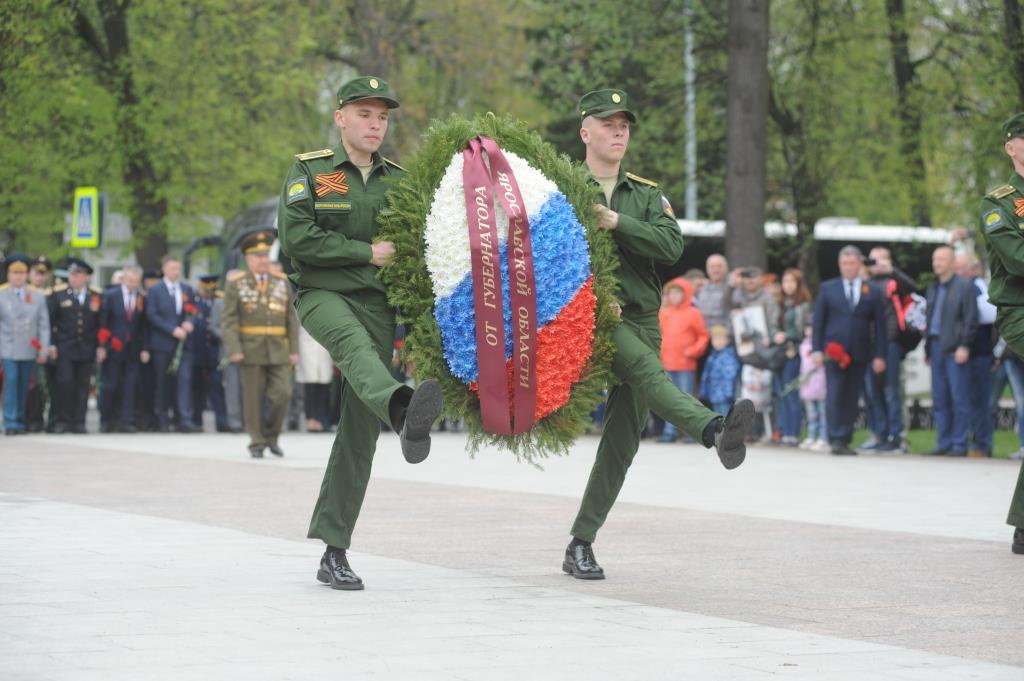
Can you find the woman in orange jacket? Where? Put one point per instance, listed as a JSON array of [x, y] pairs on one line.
[[684, 340]]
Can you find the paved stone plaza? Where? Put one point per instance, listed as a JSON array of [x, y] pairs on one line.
[[178, 557]]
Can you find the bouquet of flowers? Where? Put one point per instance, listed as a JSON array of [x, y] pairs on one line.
[[191, 312], [504, 283], [834, 352]]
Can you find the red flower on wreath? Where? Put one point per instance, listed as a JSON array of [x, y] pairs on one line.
[[837, 353]]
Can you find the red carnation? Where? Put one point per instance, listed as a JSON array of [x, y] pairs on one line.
[[104, 336], [835, 352], [36, 344], [191, 309], [117, 345]]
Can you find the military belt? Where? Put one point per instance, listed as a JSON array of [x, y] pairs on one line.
[[263, 330]]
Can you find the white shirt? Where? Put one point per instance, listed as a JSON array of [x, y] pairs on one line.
[[856, 290], [174, 288], [986, 310]]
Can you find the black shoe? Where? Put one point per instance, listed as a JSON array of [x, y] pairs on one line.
[[163, 429], [236, 431], [424, 408], [223, 429], [843, 449], [13, 431], [729, 441], [256, 451], [106, 428], [79, 430], [188, 428], [938, 451], [957, 452], [579, 562], [275, 449], [126, 429], [1018, 541], [335, 570]]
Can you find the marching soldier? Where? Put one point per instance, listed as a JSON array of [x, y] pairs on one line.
[[261, 335], [42, 379], [1002, 223], [74, 319], [328, 221], [643, 226], [24, 339]]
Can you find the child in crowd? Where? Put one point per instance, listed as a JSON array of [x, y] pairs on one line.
[[812, 392], [722, 368], [684, 339]]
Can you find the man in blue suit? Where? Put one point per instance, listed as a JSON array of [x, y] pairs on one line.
[[849, 311], [123, 334], [167, 313]]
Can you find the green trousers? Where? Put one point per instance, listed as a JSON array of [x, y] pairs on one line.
[[644, 386], [270, 382], [1010, 323], [359, 332]]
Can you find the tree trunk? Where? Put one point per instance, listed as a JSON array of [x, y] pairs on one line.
[[112, 56], [1012, 15], [745, 142], [909, 110]]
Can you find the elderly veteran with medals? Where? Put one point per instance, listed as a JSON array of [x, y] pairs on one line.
[[24, 339], [261, 335], [1002, 224], [328, 227], [645, 232]]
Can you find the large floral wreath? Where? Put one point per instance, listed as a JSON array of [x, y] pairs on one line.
[[431, 284]]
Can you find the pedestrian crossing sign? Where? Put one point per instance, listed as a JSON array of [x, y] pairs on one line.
[[85, 218]]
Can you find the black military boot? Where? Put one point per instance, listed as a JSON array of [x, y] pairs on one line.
[[1018, 541], [424, 408], [580, 562], [256, 451], [732, 432], [275, 449], [335, 570]]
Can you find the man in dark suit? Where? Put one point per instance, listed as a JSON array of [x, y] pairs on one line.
[[74, 318], [168, 307], [123, 334], [952, 325], [849, 312]]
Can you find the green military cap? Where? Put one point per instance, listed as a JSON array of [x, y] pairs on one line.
[[258, 241], [1014, 126], [367, 87], [604, 103]]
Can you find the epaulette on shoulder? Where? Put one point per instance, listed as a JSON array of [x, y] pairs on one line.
[[641, 180], [219, 294], [390, 162], [310, 155], [236, 276], [60, 287], [279, 275], [3, 286], [1000, 192]]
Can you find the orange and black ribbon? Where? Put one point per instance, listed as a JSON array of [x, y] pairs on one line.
[[1018, 207], [331, 182]]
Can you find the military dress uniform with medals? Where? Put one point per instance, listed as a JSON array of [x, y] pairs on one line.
[[328, 221], [1002, 224], [646, 234], [24, 338], [75, 323], [259, 322]]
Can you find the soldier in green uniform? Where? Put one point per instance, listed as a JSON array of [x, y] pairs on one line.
[[261, 335], [645, 231], [328, 227], [1002, 223]]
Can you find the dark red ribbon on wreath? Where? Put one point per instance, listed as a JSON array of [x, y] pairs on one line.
[[481, 182]]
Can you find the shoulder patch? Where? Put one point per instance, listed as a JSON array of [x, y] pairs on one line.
[[310, 155], [641, 180], [236, 276], [1000, 192], [390, 162], [296, 190], [992, 219]]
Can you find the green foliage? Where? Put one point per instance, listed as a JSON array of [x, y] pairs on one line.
[[410, 289]]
